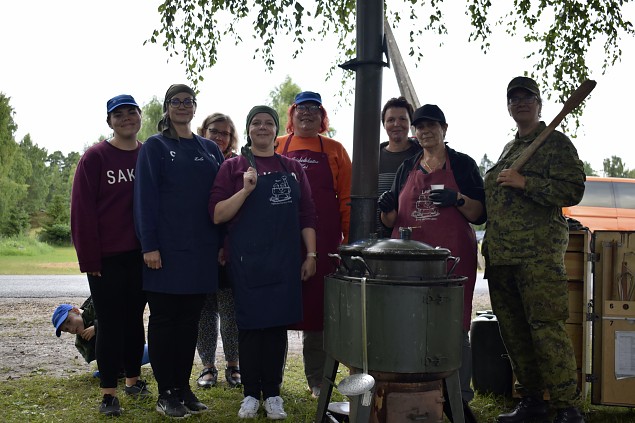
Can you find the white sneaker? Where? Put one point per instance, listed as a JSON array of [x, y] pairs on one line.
[[249, 408], [273, 405]]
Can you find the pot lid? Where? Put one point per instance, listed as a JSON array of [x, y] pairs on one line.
[[405, 248], [356, 248]]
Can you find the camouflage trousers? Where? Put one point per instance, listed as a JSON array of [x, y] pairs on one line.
[[530, 301]]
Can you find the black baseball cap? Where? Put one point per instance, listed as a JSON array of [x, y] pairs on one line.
[[428, 112]]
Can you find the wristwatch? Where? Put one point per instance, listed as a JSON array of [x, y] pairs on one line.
[[460, 201], [314, 255]]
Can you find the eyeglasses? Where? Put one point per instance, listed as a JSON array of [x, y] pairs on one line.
[[514, 101], [187, 103], [216, 133], [311, 108]]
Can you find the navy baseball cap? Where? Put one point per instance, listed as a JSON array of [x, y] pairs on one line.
[[428, 112], [120, 100], [308, 96], [59, 316]]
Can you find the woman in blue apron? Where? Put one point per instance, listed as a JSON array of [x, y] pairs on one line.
[[175, 173], [438, 193], [266, 201]]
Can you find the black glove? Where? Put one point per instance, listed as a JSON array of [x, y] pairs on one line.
[[387, 202], [443, 197]]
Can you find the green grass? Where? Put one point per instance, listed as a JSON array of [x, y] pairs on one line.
[[76, 398], [41, 398], [26, 256]]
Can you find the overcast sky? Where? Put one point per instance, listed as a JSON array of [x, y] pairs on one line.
[[61, 62]]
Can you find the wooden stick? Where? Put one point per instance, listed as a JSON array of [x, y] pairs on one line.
[[570, 105]]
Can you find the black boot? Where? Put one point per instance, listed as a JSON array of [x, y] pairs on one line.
[[569, 415], [526, 410]]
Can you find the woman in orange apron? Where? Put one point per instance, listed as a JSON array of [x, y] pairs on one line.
[[328, 169]]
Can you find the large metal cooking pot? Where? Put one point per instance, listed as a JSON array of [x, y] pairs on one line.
[[405, 258]]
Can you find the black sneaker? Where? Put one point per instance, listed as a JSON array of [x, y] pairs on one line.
[[169, 405], [189, 400], [110, 406], [138, 390]]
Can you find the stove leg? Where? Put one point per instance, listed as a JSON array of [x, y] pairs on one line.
[[360, 413], [453, 385], [328, 379]]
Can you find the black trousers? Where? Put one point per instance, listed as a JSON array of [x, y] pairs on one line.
[[262, 354], [172, 335], [119, 304]]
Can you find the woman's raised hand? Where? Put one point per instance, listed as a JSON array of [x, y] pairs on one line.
[[250, 178]]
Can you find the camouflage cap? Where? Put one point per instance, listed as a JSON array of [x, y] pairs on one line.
[[524, 83]]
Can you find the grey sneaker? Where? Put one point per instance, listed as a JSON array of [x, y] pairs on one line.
[[110, 406], [273, 406], [138, 390], [249, 408]]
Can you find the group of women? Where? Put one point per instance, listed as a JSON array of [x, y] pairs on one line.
[[207, 233], [203, 216]]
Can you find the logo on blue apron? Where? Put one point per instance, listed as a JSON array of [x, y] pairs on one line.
[[280, 192]]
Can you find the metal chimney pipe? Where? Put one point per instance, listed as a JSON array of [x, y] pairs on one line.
[[367, 116]]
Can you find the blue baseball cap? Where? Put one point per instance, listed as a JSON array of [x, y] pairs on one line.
[[308, 96], [59, 316], [120, 100]]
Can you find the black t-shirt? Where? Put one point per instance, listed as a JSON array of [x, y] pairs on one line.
[[389, 162]]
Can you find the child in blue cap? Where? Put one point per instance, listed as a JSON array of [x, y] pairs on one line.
[[82, 322]]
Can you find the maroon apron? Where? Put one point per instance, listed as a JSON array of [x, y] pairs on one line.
[[328, 231], [439, 226]]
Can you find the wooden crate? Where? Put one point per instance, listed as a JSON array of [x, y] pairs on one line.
[[575, 334], [614, 321], [618, 388], [574, 263], [577, 307], [577, 241]]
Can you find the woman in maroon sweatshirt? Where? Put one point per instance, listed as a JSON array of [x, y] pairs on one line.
[[103, 233]]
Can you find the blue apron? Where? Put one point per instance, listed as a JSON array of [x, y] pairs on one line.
[[188, 239], [265, 260]]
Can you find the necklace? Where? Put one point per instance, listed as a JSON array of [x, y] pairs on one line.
[[430, 168]]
